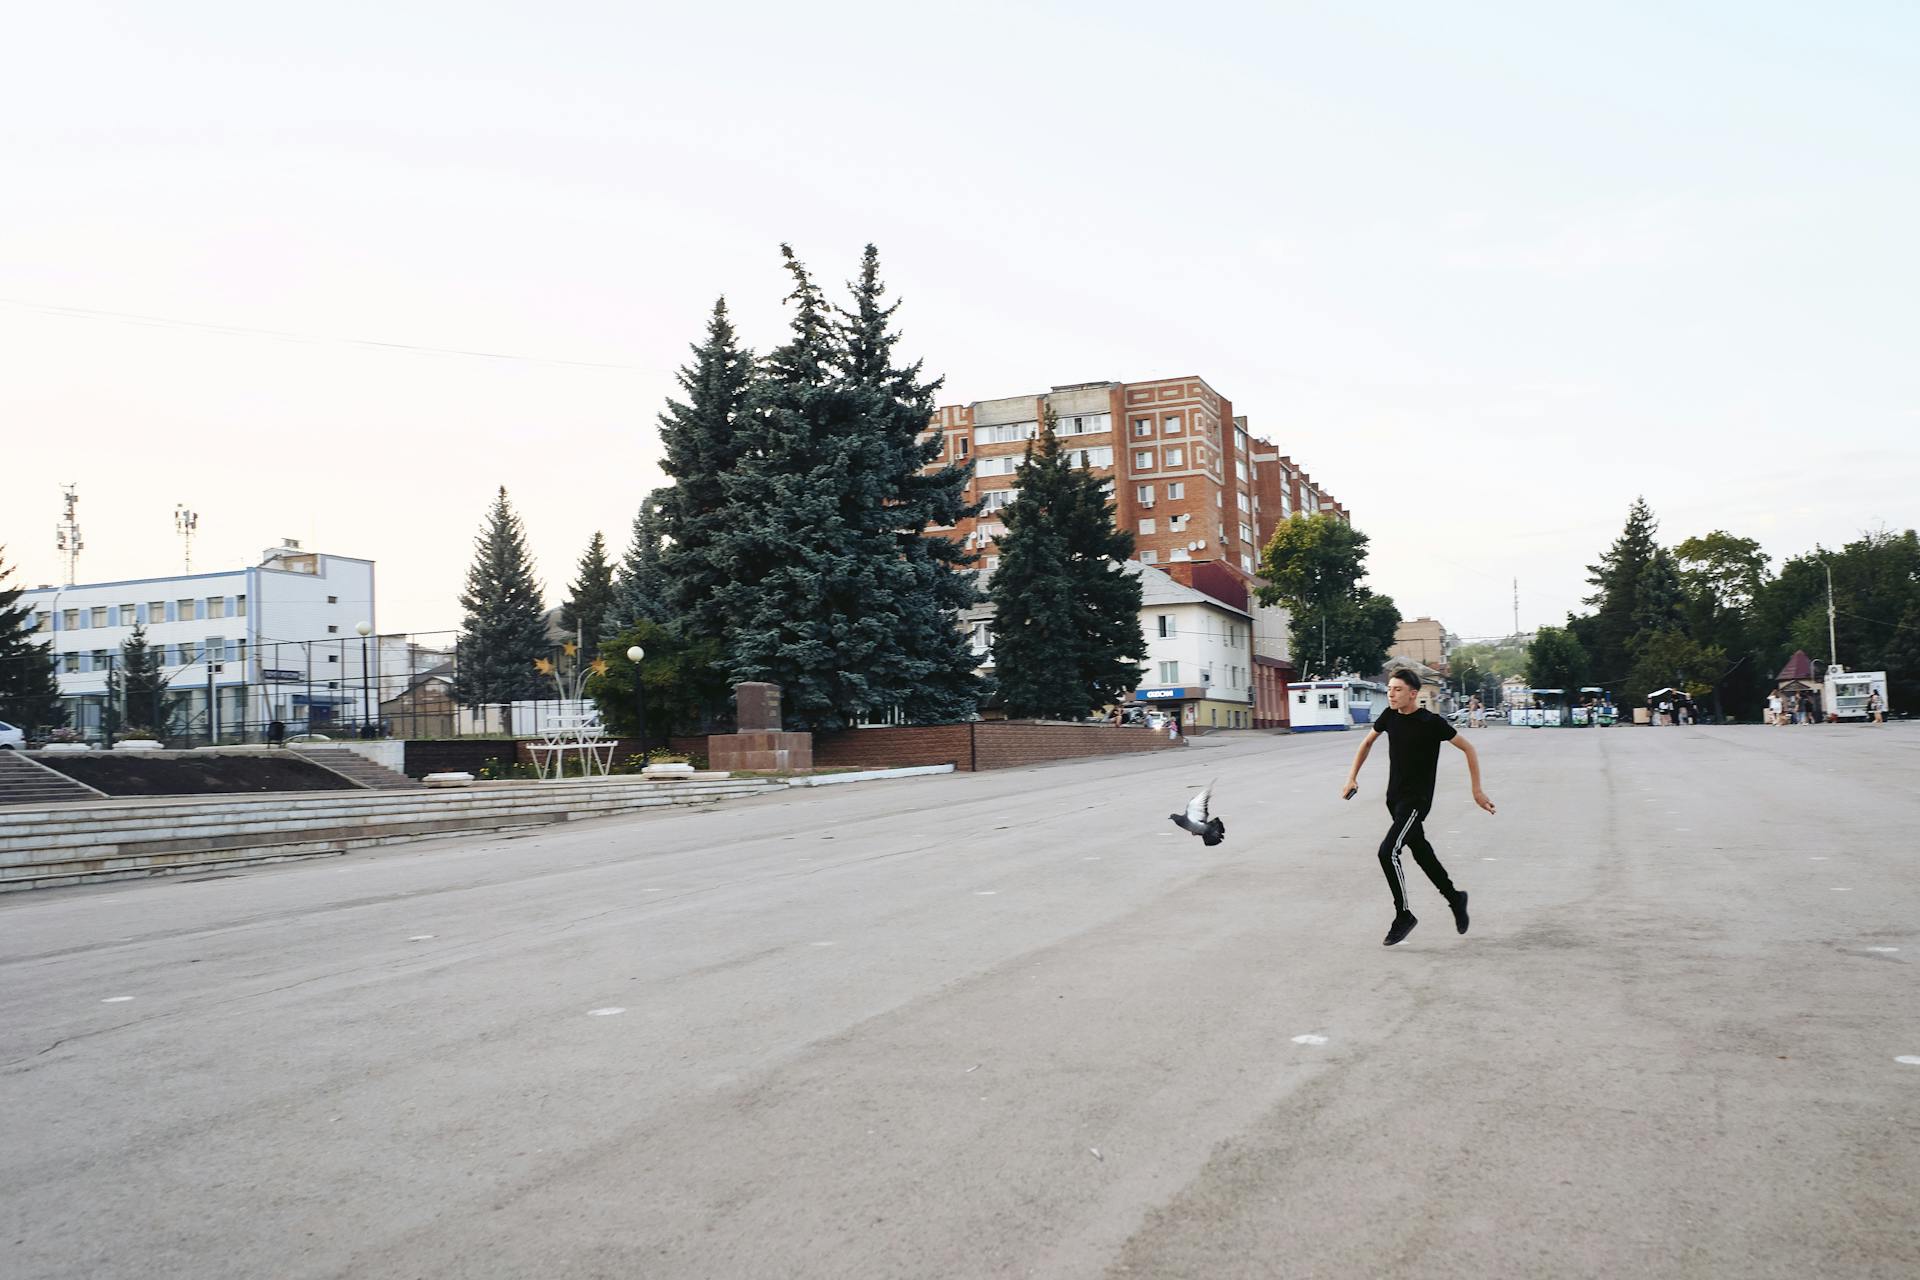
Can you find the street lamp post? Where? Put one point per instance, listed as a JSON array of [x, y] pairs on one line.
[[366, 705], [634, 654]]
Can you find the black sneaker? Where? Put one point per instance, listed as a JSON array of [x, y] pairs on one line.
[[1459, 904], [1402, 926]]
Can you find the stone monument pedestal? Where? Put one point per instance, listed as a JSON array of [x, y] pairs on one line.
[[760, 751], [761, 745]]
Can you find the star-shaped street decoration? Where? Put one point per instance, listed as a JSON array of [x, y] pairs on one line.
[[544, 667]]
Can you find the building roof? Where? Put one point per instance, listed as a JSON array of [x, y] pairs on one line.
[[1799, 667], [1159, 588]]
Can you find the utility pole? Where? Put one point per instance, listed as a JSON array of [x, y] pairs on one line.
[[1833, 645], [68, 533], [1516, 608], [184, 523]]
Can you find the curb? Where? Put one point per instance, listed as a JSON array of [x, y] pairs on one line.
[[828, 779]]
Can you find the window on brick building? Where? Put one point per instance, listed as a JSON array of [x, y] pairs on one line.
[[1172, 425], [1149, 557], [1176, 489], [1178, 524], [1147, 526], [1142, 428], [1143, 460], [1143, 494], [1176, 457]]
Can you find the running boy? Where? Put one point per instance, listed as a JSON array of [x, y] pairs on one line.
[[1414, 736]]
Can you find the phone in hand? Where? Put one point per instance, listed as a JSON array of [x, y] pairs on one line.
[[1351, 793]]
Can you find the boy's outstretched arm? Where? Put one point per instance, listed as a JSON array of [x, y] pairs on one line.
[[1359, 758], [1473, 771]]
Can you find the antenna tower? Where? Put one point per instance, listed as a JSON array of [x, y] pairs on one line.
[[184, 523], [68, 533], [1516, 606]]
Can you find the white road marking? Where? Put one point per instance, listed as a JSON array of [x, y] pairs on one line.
[[1489, 859], [607, 1012], [1908, 1059], [663, 890], [423, 937], [823, 944], [1883, 949], [1093, 859], [984, 893], [1817, 858], [1841, 888], [116, 999], [1309, 1038]]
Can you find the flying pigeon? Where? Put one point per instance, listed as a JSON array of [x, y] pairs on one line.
[[1210, 830]]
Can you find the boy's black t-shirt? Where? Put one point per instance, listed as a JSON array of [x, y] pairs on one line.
[[1413, 753]]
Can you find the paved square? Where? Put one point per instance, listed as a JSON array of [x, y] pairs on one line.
[[1014, 1024]]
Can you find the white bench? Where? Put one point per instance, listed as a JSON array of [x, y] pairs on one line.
[[582, 735]]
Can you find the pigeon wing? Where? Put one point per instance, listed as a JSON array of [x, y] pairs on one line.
[[1197, 807]]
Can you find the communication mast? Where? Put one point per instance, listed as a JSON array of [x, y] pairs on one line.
[[68, 533], [184, 523]]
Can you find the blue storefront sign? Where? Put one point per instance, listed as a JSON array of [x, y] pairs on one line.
[[1171, 693]]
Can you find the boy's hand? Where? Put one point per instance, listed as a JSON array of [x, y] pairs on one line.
[[1480, 798]]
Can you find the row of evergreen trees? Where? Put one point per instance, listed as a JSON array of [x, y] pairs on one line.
[[799, 543], [1708, 614]]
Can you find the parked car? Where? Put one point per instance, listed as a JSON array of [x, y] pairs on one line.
[[12, 739]]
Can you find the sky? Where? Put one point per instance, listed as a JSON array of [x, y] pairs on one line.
[[1488, 271]]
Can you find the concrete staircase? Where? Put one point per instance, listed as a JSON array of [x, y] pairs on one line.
[[25, 781], [357, 769], [111, 839]]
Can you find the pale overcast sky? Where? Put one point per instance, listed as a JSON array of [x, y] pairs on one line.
[[1487, 270]]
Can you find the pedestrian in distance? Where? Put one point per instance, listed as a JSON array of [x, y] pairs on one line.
[[1413, 735], [1876, 712]]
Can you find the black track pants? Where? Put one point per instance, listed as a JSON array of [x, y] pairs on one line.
[[1409, 832]]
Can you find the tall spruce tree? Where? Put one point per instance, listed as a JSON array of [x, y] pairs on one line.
[[825, 590], [700, 443], [586, 613], [1067, 636], [29, 692], [137, 686], [505, 630], [640, 588], [934, 665], [1621, 580]]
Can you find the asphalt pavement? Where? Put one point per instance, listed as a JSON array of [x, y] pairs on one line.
[[1014, 1024]]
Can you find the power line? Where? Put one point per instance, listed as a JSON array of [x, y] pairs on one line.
[[235, 330]]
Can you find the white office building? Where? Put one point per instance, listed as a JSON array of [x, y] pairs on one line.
[[1199, 661], [277, 641]]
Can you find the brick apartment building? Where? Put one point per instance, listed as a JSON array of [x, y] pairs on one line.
[[1187, 479]]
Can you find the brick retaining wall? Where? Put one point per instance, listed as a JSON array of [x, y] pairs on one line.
[[1010, 744], [896, 747], [985, 744]]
